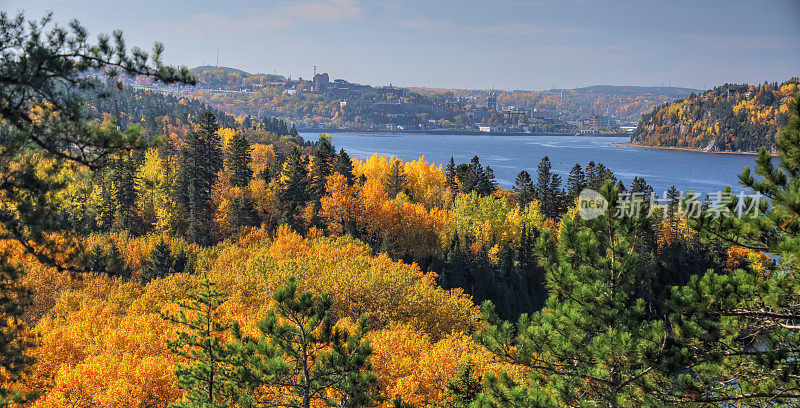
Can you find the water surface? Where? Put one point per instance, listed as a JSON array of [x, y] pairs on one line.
[[507, 155]]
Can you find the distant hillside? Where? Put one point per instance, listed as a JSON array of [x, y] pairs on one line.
[[162, 114], [335, 103], [226, 77], [633, 90], [735, 118], [227, 70], [625, 103]]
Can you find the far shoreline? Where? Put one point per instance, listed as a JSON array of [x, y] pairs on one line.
[[684, 149], [445, 132]]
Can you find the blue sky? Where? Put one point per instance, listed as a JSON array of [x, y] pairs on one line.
[[508, 44]]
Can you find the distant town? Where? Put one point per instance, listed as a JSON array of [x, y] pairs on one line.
[[322, 104]]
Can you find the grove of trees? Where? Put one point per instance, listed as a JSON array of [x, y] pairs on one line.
[[185, 257]]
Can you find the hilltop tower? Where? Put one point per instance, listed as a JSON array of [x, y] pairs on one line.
[[491, 102], [321, 82]]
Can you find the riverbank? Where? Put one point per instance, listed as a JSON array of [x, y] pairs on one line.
[[684, 149], [446, 132]]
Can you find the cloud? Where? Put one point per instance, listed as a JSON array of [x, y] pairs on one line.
[[286, 16]]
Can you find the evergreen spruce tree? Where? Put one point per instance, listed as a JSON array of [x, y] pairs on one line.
[[673, 197], [544, 176], [548, 189], [344, 166], [487, 184], [238, 158], [450, 181], [293, 191], [300, 351], [576, 182], [242, 212], [621, 186], [208, 378], [94, 260], [108, 205], [396, 179], [469, 175], [463, 389], [523, 188], [321, 168], [123, 176], [555, 199], [597, 175], [591, 175], [200, 162], [593, 343], [474, 178], [161, 263], [639, 185], [115, 264]]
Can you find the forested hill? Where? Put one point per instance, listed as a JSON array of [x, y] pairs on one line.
[[164, 114], [732, 118]]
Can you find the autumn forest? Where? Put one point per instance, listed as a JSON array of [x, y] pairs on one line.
[[158, 252]]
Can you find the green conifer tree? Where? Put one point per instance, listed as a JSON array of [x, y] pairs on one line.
[[523, 188], [320, 169], [396, 179], [344, 166], [451, 182], [300, 350], [43, 65], [200, 162], [576, 182], [293, 190], [543, 175], [593, 343], [208, 376], [463, 389], [737, 340], [239, 159], [160, 264]]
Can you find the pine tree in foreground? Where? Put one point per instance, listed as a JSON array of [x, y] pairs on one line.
[[301, 353], [42, 67], [593, 343], [208, 376], [737, 334]]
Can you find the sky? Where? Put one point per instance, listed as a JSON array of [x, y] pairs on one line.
[[479, 44]]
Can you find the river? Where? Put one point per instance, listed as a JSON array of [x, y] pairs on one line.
[[507, 155]]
